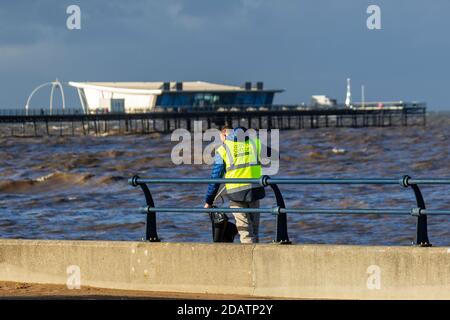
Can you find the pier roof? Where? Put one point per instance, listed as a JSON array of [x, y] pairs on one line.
[[156, 87]]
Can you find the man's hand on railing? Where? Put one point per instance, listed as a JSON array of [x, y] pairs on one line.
[[206, 206]]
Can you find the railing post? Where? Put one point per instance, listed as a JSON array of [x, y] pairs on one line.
[[151, 234], [282, 236], [422, 225]]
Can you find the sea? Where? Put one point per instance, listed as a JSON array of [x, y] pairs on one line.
[[76, 187]]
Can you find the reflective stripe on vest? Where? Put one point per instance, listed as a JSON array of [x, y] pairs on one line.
[[241, 161]]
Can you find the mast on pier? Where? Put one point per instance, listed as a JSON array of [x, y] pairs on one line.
[[348, 99]]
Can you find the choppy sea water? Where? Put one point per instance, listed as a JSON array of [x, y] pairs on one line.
[[76, 187]]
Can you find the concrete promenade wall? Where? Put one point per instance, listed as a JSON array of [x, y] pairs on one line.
[[264, 270]]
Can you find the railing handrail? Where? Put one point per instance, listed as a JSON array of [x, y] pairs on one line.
[[276, 210], [267, 180]]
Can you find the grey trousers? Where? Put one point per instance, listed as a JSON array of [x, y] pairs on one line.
[[247, 223]]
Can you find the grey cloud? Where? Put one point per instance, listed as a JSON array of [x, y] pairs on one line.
[[306, 47]]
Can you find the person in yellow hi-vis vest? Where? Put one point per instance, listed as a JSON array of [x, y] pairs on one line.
[[239, 157]]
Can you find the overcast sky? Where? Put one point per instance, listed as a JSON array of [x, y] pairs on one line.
[[305, 47]]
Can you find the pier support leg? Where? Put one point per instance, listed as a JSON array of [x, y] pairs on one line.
[[46, 127], [166, 126], [95, 127], [405, 118], [188, 125], [82, 124]]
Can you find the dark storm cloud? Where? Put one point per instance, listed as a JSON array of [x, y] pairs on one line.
[[306, 47]]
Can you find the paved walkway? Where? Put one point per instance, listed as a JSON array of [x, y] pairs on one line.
[[14, 290]]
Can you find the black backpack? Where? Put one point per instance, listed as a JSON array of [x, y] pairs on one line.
[[222, 229]]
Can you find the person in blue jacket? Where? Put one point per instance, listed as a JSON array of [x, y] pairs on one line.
[[247, 224]]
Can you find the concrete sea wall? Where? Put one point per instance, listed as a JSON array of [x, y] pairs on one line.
[[263, 270]]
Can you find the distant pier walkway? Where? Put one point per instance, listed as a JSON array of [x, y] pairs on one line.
[[277, 117]]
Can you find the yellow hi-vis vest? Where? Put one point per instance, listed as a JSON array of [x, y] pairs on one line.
[[242, 160]]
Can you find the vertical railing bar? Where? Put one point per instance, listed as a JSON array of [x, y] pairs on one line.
[[282, 236], [421, 238], [422, 224], [151, 233]]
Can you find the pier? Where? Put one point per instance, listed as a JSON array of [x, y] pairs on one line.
[[283, 117]]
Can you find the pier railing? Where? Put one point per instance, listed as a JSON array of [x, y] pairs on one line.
[[280, 211], [38, 112]]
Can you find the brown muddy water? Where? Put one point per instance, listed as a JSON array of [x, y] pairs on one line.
[[76, 187]]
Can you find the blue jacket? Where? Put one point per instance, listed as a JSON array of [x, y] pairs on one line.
[[218, 171]]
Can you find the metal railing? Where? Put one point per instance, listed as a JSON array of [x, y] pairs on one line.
[[20, 112], [280, 210]]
